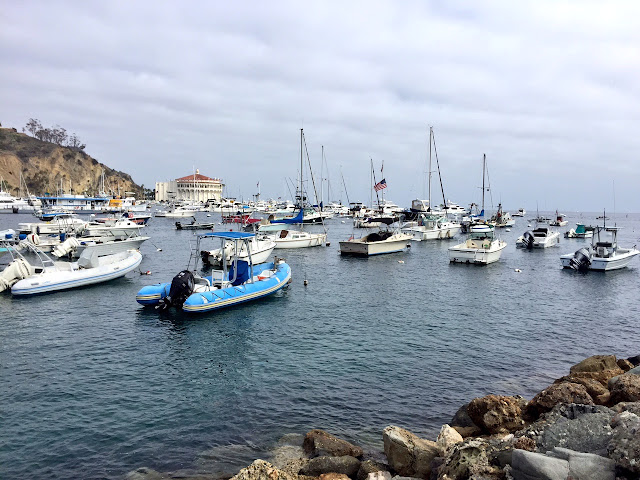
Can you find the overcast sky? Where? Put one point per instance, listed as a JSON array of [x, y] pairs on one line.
[[549, 90]]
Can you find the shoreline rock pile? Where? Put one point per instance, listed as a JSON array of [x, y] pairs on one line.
[[584, 426]]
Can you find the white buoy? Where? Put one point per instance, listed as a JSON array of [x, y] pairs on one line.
[[342, 221], [529, 225], [518, 270], [400, 261], [305, 283], [507, 230], [208, 214]]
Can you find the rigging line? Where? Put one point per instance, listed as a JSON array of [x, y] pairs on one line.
[[344, 185], [313, 182], [489, 187], [435, 150], [374, 185]]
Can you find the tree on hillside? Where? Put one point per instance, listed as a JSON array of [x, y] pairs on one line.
[[55, 134]]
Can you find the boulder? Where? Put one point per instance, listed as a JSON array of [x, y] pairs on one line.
[[334, 476], [525, 443], [625, 388], [261, 470], [497, 413], [624, 446], [594, 387], [370, 466], [408, 454], [556, 394], [462, 418], [346, 465], [561, 464], [448, 437], [582, 428], [380, 475], [633, 407], [625, 364], [470, 459], [635, 360], [598, 367], [318, 443]]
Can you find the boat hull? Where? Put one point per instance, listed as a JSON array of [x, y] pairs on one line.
[[52, 281], [357, 247], [616, 262], [477, 252], [312, 240]]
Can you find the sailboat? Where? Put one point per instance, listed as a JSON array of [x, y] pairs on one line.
[[291, 238], [481, 247], [432, 225]]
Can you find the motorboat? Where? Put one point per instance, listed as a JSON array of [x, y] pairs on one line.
[[298, 239], [432, 227], [520, 213], [602, 255], [376, 243], [177, 212], [480, 248], [540, 237], [580, 232], [236, 282], [122, 228], [49, 276], [259, 248], [195, 225], [60, 223], [74, 247], [559, 221]]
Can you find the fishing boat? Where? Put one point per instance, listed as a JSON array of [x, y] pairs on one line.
[[580, 232], [60, 223], [502, 219], [603, 254], [376, 243], [236, 282], [121, 227], [480, 248], [49, 276], [542, 236], [195, 225]]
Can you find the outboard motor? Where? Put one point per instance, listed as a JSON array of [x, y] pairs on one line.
[[581, 260], [528, 240], [181, 287]]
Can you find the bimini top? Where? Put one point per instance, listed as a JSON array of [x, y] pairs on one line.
[[227, 235]]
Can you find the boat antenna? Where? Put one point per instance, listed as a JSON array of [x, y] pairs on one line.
[[435, 150]]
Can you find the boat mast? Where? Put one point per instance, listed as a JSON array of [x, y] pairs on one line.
[[301, 167], [484, 162], [345, 186], [429, 171]]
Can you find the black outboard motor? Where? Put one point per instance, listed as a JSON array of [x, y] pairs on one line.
[[581, 260], [181, 287], [527, 240]]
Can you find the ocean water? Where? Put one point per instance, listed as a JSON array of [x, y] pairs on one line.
[[92, 385]]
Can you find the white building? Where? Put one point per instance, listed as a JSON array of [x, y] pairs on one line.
[[192, 188]]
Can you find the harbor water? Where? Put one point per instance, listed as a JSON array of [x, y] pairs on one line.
[[93, 385]]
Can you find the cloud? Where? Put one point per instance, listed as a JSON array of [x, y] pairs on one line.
[[548, 90]]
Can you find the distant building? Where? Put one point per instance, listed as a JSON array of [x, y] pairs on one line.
[[192, 188]]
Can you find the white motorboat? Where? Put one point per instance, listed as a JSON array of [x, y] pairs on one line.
[[260, 249], [60, 223], [50, 276], [375, 243], [603, 255], [432, 227], [480, 248], [298, 239], [520, 213], [579, 232], [539, 237], [104, 245], [121, 228], [177, 212]]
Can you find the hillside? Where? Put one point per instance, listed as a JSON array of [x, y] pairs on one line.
[[45, 166]]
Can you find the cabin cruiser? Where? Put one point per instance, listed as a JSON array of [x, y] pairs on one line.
[[520, 213], [375, 243], [540, 237], [431, 227]]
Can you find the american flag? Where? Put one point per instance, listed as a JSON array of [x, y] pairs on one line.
[[380, 185]]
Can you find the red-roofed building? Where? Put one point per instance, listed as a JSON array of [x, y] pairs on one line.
[[192, 188]]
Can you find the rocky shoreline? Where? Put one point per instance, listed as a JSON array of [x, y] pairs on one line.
[[584, 426]]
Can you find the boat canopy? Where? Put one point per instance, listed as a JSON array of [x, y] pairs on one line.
[[227, 235]]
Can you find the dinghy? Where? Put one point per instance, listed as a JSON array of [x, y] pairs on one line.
[[237, 282]]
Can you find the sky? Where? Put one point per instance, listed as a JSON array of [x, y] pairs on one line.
[[548, 90]]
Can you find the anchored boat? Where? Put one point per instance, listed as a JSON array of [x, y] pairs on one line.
[[603, 255], [238, 281]]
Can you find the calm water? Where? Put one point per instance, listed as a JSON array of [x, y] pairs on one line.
[[92, 385]]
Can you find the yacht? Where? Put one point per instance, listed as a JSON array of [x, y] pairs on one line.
[[432, 227], [520, 213], [540, 237], [375, 243]]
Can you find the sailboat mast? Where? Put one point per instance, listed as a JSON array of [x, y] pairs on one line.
[[484, 162], [301, 167], [345, 187], [429, 172]]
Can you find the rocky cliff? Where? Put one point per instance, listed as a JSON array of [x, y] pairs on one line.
[[47, 167]]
